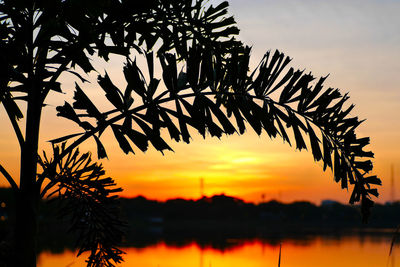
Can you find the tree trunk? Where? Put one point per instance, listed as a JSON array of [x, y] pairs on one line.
[[27, 203], [26, 229], [28, 198]]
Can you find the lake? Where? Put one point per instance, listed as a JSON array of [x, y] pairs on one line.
[[328, 251]]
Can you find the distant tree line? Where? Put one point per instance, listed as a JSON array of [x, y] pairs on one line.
[[210, 220], [142, 212], [226, 208]]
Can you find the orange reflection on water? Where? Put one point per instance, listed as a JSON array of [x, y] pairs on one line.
[[66, 259], [344, 252], [249, 254]]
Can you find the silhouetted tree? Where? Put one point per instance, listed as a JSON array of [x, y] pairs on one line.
[[213, 93]]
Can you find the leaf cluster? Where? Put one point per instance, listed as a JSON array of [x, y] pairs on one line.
[[45, 38], [88, 199]]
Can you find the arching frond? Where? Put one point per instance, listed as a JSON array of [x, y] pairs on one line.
[[216, 94]]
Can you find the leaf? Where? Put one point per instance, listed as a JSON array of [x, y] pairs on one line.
[[372, 180], [83, 102], [135, 79], [362, 141], [193, 66], [214, 12], [153, 85], [239, 119], [250, 111], [269, 72], [83, 80], [127, 123], [168, 64], [314, 92], [128, 99], [287, 76], [289, 90], [226, 124], [268, 119], [323, 101], [140, 140], [300, 144], [10, 106], [355, 195], [55, 86], [68, 112], [152, 116], [64, 138], [327, 152], [343, 172], [366, 166], [182, 124], [279, 113], [337, 165], [155, 139], [101, 151], [295, 123], [213, 128], [350, 176], [197, 112], [314, 141], [123, 143], [113, 94], [78, 57], [173, 131], [182, 81], [282, 130], [150, 64]]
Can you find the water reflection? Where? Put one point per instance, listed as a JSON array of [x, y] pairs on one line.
[[329, 251]]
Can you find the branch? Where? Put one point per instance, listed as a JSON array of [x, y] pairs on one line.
[[13, 121], [8, 177], [55, 76]]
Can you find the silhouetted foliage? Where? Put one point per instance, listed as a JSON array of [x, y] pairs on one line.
[[207, 87], [222, 97], [88, 198]]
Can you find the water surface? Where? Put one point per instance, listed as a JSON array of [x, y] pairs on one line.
[[349, 251]]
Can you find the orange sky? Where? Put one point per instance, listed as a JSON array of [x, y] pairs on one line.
[[357, 43]]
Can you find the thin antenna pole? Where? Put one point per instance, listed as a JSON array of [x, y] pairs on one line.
[[392, 187], [280, 253]]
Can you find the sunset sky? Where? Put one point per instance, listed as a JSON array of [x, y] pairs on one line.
[[356, 42]]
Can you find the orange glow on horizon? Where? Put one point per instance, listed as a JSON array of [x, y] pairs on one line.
[[248, 167]]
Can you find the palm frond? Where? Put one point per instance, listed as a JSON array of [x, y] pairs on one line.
[[89, 200], [219, 96]]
